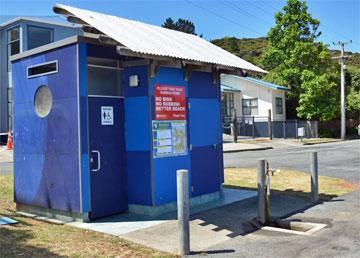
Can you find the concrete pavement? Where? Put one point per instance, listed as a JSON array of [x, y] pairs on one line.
[[341, 237]]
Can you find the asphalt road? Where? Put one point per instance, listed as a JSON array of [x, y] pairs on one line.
[[339, 159]]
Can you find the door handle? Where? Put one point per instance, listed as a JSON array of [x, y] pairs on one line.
[[98, 159]]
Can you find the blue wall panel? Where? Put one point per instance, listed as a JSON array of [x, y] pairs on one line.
[[206, 169], [142, 89], [165, 177], [139, 177], [29, 130], [138, 137], [29, 179], [48, 146], [165, 168], [62, 188], [85, 177], [204, 121], [137, 124], [201, 86]]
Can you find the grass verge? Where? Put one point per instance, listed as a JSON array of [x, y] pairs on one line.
[[32, 238], [289, 182]]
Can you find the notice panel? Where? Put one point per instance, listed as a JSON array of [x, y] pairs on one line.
[[170, 102], [169, 138]]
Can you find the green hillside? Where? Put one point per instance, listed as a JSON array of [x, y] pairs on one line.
[[251, 49]]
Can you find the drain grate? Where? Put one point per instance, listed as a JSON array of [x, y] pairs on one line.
[[295, 227]]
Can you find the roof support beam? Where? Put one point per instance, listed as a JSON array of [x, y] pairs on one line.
[[90, 29], [154, 67], [74, 19], [215, 74], [187, 68]]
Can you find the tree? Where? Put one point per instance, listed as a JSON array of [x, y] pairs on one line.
[[182, 25], [169, 23], [353, 97], [295, 59]]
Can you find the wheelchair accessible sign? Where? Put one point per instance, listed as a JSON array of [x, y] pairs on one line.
[[107, 115]]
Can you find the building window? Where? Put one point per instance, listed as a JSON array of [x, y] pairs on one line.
[[42, 69], [278, 105], [13, 44], [250, 107], [38, 36], [227, 103]]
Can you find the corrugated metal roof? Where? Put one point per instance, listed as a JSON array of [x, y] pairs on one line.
[[259, 82], [265, 84], [154, 40], [228, 88]]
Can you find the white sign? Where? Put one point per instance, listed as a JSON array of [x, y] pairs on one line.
[[301, 132], [107, 115]]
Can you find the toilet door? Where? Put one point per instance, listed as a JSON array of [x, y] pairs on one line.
[[108, 188]]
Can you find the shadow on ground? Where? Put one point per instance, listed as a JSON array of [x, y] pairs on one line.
[[13, 244], [236, 217]]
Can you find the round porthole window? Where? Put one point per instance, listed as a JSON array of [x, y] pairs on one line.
[[43, 101]]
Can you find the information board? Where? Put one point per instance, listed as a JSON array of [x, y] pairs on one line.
[[169, 138], [170, 102]]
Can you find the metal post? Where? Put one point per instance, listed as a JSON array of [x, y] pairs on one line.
[[314, 177], [342, 97], [269, 124], [253, 126], [284, 129], [183, 211], [264, 213], [342, 59], [234, 126]]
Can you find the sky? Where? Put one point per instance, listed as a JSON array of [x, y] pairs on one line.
[[339, 19]]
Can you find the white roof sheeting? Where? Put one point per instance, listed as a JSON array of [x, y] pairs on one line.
[[154, 40]]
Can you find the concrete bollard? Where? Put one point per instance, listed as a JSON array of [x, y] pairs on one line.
[[183, 204], [263, 209], [314, 177]]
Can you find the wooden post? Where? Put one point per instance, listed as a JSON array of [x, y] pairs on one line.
[[234, 122], [270, 124]]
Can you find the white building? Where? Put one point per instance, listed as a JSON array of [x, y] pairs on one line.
[[252, 97]]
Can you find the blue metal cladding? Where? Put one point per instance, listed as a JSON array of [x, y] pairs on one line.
[[165, 177], [204, 120], [85, 177], [201, 86], [46, 149], [138, 166], [137, 137], [142, 89], [164, 169], [205, 134], [137, 122], [206, 175]]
